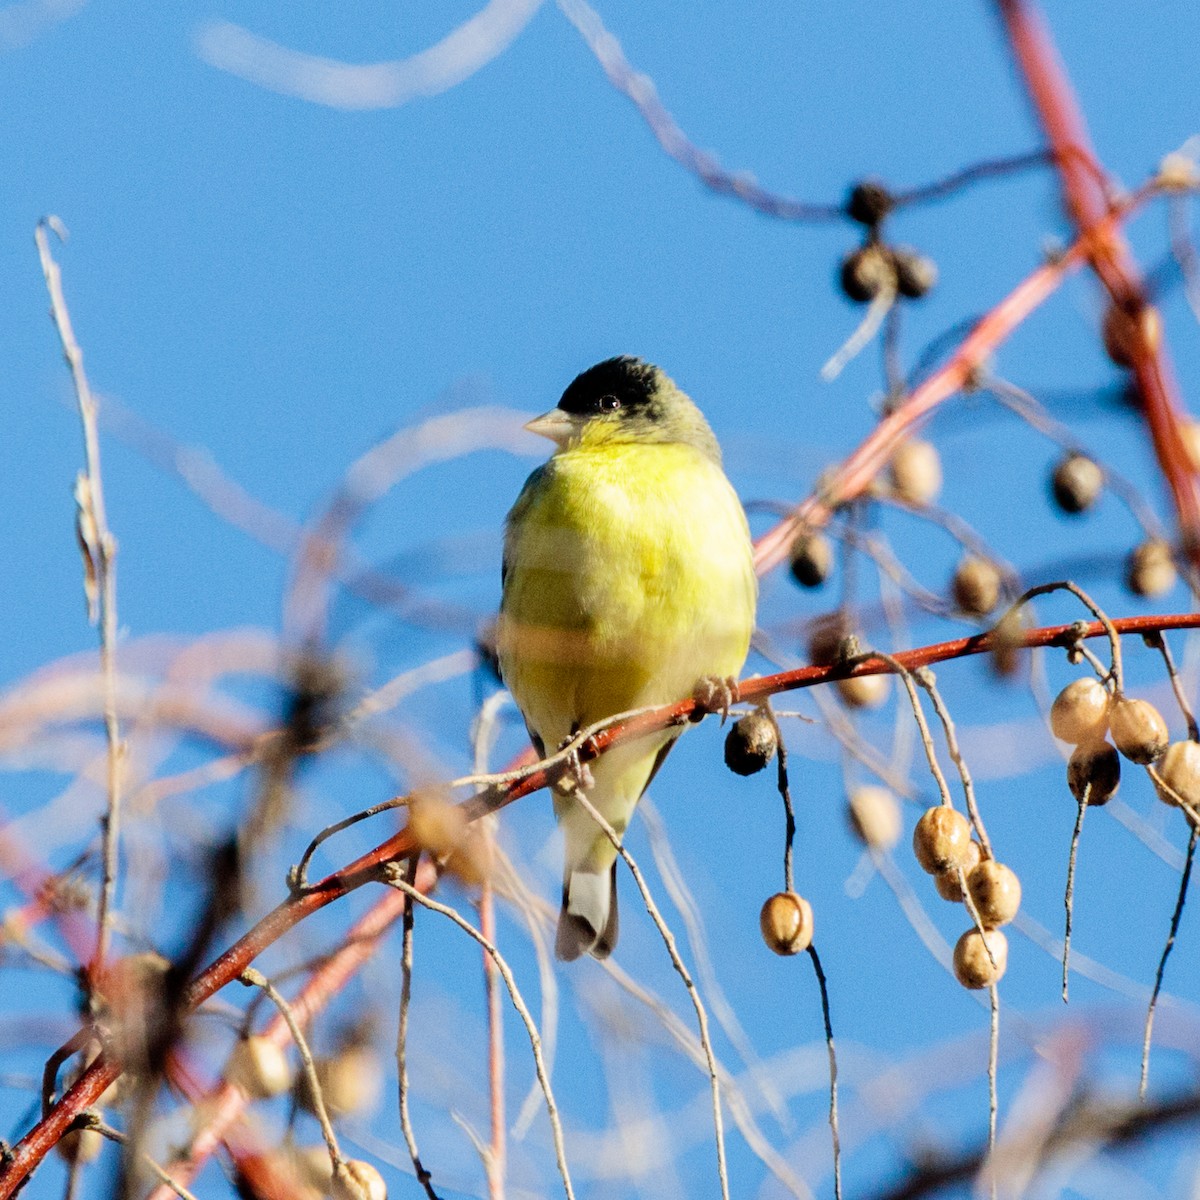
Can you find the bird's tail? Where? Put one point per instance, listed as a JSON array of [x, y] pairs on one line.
[[587, 922]]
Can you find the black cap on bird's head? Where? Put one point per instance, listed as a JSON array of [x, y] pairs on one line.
[[626, 399]]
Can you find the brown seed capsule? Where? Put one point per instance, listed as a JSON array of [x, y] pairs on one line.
[[915, 273], [875, 817], [442, 829], [866, 272], [358, 1180], [1095, 772], [869, 202], [1076, 483], [1179, 769], [1008, 640], [1137, 729], [827, 637], [916, 471], [1080, 711], [786, 922], [1126, 332], [995, 892], [350, 1080], [314, 1166], [751, 743], [1150, 569], [948, 883], [976, 586], [80, 1146], [942, 839], [974, 966], [863, 691], [259, 1067], [812, 556]]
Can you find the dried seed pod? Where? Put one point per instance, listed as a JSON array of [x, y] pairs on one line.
[[1080, 711], [751, 743], [442, 829], [916, 471], [1127, 331], [915, 273], [866, 272], [1008, 640], [314, 1166], [351, 1081], [1180, 771], [1076, 483], [1177, 172], [864, 691], [1150, 569], [259, 1067], [995, 892], [80, 1146], [942, 839], [974, 966], [827, 637], [1094, 771], [874, 816], [812, 557], [948, 883], [358, 1180], [1137, 729], [786, 921], [976, 585], [869, 202]]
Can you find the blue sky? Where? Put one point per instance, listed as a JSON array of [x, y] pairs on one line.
[[282, 283]]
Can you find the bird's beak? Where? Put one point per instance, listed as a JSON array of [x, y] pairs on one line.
[[558, 426]]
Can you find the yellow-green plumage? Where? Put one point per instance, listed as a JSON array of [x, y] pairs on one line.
[[628, 578]]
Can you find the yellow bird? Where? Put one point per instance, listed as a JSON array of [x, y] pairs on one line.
[[628, 578]]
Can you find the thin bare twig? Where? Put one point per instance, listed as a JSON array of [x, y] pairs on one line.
[[99, 549], [1144, 1081], [669, 941], [833, 1072], [1069, 894], [115, 1135], [393, 876], [1156, 641]]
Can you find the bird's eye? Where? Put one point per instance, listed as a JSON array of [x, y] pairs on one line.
[[609, 403]]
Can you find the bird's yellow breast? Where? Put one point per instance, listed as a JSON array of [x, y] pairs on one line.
[[628, 577]]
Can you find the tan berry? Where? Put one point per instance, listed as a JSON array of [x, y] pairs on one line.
[[915, 273], [995, 892], [314, 1166], [866, 272], [979, 963], [751, 743], [358, 1180], [1150, 569], [259, 1067], [1080, 711], [976, 586], [1180, 771], [948, 883], [1094, 772], [942, 839], [786, 922], [443, 830], [812, 557], [1138, 730], [1008, 640], [916, 471], [350, 1080], [874, 815], [864, 691], [1177, 172], [80, 1146], [1076, 483]]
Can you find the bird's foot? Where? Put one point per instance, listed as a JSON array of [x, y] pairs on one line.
[[576, 774], [714, 694]]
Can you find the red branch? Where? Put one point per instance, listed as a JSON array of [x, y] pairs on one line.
[[856, 473], [1109, 254], [32, 1148]]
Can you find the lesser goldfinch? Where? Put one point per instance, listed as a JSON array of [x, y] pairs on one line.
[[627, 579]]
